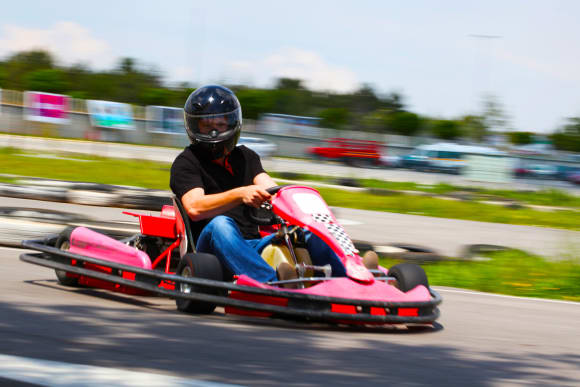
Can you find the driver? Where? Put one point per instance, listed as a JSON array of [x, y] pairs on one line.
[[215, 179]]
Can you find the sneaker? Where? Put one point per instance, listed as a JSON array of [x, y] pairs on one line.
[[371, 260], [286, 272]]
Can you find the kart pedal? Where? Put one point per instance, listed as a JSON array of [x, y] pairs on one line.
[[303, 268], [286, 272]]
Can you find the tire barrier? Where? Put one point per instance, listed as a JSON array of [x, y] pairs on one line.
[[18, 224], [37, 223]]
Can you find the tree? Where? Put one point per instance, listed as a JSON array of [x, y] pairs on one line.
[[474, 127], [156, 96], [127, 65], [19, 65], [521, 138], [404, 123], [48, 80], [493, 115], [446, 129], [289, 84], [336, 118], [364, 100], [392, 102], [377, 121], [255, 102], [568, 138]]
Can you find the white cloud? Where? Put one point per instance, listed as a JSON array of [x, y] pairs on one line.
[[295, 63], [68, 41]]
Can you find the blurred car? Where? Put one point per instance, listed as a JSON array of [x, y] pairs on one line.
[[412, 161], [349, 151], [543, 171], [390, 161], [263, 148], [521, 172], [444, 157], [565, 171], [574, 177]]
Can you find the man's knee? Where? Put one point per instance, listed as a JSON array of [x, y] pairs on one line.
[[220, 223]]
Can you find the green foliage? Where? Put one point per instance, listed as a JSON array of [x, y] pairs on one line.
[[2, 75], [474, 127], [521, 138], [446, 129], [336, 118], [48, 80], [493, 115], [568, 138], [254, 102], [405, 123], [289, 84], [17, 67], [157, 96], [377, 121]]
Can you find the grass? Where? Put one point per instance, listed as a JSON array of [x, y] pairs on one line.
[[155, 175], [138, 173], [509, 272], [548, 197], [417, 205]]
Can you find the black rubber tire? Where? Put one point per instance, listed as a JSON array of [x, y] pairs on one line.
[[63, 243], [199, 265], [408, 276]]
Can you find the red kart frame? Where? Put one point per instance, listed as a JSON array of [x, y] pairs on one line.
[[363, 297]]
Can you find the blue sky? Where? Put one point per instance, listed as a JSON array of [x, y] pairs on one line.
[[426, 50]]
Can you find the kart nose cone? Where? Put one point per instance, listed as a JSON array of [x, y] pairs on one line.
[[358, 272]]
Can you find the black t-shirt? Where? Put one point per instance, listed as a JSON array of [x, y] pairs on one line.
[[189, 172]]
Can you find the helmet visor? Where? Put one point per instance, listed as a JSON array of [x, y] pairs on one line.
[[213, 128]]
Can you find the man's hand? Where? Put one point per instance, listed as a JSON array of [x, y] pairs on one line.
[[254, 195]]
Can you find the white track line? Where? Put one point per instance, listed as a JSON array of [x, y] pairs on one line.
[[59, 374], [448, 290]]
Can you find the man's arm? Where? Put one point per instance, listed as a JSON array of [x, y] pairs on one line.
[[264, 180], [201, 206]]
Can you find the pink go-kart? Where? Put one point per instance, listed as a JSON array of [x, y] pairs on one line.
[[162, 260]]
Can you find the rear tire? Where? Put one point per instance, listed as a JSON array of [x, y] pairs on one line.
[[199, 265], [63, 243], [408, 276]]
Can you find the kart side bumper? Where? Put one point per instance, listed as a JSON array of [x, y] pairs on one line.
[[268, 302]]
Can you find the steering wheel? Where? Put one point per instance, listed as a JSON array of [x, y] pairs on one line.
[[263, 215]]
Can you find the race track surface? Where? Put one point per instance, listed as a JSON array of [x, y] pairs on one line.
[[480, 339]]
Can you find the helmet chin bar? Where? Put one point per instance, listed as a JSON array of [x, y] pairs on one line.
[[211, 151]]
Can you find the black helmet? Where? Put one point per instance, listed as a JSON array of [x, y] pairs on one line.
[[213, 121]]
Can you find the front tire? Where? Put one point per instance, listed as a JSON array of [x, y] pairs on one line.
[[199, 265], [408, 276], [63, 243]]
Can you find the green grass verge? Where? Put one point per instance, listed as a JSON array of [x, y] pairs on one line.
[[548, 197], [417, 205], [137, 173], [155, 175], [508, 272]]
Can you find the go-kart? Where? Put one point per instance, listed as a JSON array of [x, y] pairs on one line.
[[162, 260]]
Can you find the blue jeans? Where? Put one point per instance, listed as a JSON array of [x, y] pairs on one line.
[[222, 237]]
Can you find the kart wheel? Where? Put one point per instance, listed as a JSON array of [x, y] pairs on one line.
[[63, 243], [408, 276], [199, 265]]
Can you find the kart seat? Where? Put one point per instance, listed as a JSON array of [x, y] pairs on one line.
[[183, 225]]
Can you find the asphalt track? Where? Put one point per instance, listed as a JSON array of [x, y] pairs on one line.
[[480, 340]]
